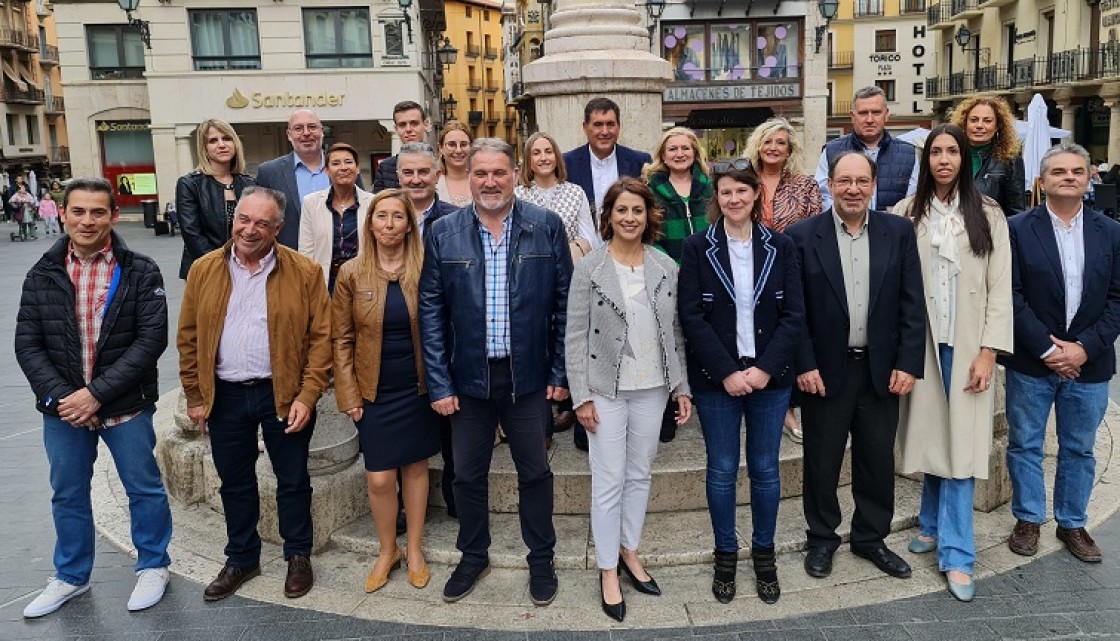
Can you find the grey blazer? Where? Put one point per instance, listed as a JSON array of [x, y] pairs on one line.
[[597, 327]]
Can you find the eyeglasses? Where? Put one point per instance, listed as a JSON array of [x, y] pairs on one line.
[[727, 166], [310, 128], [862, 183]]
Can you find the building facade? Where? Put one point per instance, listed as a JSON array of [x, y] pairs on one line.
[[523, 23], [1066, 50], [477, 80], [885, 43], [33, 128], [133, 111]]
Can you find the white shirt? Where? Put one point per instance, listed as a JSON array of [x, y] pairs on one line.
[[821, 176], [742, 272], [1071, 250], [945, 224], [603, 174]]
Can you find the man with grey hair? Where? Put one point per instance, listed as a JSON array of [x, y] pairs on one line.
[[418, 173], [897, 159], [254, 352], [1066, 295], [493, 299]]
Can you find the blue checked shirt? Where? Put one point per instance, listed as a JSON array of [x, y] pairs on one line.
[[496, 256]]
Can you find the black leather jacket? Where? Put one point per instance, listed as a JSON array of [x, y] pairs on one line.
[[453, 303], [201, 203], [1004, 181]]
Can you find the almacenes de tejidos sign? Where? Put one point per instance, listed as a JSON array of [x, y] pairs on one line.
[[721, 93]]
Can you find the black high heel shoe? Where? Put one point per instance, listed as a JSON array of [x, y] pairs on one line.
[[645, 587], [616, 611]]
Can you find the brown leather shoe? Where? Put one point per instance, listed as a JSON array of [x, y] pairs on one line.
[[227, 582], [1080, 544], [300, 577], [1024, 538], [563, 420]]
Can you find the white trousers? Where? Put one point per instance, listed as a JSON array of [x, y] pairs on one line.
[[621, 453]]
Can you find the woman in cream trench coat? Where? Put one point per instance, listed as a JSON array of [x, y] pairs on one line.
[[945, 424]]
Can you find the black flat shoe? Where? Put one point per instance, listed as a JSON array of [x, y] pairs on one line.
[[616, 611], [888, 562], [645, 587]]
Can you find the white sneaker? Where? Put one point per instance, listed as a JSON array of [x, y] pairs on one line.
[[151, 583], [53, 597]]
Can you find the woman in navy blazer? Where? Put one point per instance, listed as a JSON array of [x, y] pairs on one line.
[[742, 313]]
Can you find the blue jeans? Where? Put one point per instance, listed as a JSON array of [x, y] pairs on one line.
[[71, 452], [946, 511], [720, 417], [1079, 408]]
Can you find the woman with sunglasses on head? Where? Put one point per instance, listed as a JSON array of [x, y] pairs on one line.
[[625, 359], [742, 315], [945, 424], [787, 196]]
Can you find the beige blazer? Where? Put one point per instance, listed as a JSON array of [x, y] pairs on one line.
[[316, 227], [953, 438]]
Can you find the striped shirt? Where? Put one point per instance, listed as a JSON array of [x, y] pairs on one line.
[[243, 352], [496, 258], [92, 278]]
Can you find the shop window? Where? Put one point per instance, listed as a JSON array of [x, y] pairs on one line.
[[885, 41], [730, 52], [337, 38], [225, 39], [684, 47], [777, 45], [888, 89], [115, 52]]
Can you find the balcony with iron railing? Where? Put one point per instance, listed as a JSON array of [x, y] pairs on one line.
[[491, 88], [940, 15], [28, 95], [54, 105], [472, 51], [48, 55], [490, 53], [840, 108], [1082, 65], [912, 6], [18, 39], [59, 154], [840, 59], [964, 8], [474, 86]]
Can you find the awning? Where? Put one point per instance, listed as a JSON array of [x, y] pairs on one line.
[[28, 77], [11, 74]]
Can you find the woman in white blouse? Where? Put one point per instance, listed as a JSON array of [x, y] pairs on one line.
[[625, 358], [544, 182], [945, 424]]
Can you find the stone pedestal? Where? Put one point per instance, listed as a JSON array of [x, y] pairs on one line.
[[338, 478], [597, 48]]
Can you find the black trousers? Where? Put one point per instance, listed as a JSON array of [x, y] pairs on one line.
[[871, 421], [472, 436], [238, 410]]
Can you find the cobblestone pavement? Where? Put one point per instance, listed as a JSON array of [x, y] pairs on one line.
[[1056, 597]]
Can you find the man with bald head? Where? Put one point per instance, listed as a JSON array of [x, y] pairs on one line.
[[298, 173]]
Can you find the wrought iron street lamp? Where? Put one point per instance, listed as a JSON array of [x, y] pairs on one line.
[[128, 6], [828, 10]]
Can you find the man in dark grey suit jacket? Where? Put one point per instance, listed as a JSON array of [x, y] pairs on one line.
[[298, 173]]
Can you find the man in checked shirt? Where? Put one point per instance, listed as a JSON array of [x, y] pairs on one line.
[[92, 324]]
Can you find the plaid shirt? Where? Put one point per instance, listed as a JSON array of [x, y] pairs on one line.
[[92, 277], [496, 256]]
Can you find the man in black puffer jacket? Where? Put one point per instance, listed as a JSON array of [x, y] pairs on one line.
[[92, 324]]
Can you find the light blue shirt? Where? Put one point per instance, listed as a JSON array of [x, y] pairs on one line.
[[742, 271], [308, 181], [495, 252]]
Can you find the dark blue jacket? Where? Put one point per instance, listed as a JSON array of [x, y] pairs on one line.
[[894, 165], [453, 303], [896, 313], [280, 174], [442, 208], [706, 306], [1039, 294], [578, 164]]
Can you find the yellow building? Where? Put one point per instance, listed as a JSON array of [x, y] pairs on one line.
[[1068, 51], [476, 81], [884, 43], [33, 127]]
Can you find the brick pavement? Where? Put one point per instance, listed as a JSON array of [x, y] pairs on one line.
[[1056, 597]]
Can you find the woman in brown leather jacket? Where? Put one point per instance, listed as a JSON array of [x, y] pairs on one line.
[[379, 376]]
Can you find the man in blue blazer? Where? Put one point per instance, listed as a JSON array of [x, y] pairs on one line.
[[594, 167], [1066, 295], [864, 347], [298, 173]]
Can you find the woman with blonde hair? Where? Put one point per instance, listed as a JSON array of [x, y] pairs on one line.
[[379, 377], [787, 195], [454, 146], [544, 182], [681, 186], [996, 162], [206, 197]]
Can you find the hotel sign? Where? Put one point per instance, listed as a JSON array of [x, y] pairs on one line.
[[725, 93]]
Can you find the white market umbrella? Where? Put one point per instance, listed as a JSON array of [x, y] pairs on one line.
[[1037, 140], [916, 137], [1022, 126]]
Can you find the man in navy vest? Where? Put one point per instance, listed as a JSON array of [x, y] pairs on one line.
[[896, 159]]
